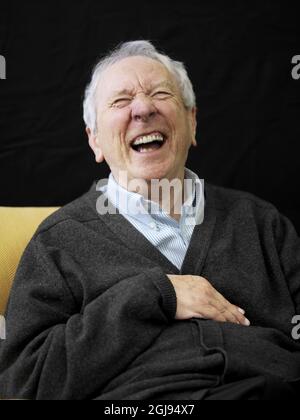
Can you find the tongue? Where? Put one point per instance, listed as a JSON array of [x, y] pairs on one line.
[[150, 147]]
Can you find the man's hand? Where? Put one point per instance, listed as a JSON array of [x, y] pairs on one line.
[[196, 298]]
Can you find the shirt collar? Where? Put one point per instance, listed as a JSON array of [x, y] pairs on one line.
[[136, 206]]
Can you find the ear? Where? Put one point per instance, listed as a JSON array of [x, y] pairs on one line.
[[94, 145], [193, 116]]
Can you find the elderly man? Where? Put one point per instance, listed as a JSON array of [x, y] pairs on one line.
[[143, 301]]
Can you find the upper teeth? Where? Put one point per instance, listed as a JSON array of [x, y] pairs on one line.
[[148, 139]]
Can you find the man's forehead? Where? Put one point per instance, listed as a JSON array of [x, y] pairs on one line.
[[128, 73]]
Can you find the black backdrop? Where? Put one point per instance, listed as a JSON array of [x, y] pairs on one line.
[[238, 54]]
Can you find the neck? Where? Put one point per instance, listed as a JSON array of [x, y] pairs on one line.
[[168, 193]]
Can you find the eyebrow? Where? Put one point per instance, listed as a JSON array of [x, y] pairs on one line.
[[129, 92], [165, 83]]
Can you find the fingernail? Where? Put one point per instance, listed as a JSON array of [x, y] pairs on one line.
[[241, 311], [247, 322]]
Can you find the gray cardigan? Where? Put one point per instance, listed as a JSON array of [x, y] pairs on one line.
[[92, 312]]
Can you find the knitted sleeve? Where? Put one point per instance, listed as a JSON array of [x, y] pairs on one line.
[[59, 348]]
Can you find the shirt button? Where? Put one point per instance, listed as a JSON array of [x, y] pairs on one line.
[[154, 226]]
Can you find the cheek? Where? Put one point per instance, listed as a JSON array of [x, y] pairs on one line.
[[173, 112], [112, 135], [114, 123], [119, 121]]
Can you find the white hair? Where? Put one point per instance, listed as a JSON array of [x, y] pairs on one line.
[[133, 49]]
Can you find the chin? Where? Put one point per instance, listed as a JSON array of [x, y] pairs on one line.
[[149, 173]]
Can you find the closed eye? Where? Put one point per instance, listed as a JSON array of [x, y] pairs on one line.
[[121, 102], [161, 95]]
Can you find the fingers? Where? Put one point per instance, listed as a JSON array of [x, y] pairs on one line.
[[222, 309], [241, 315], [197, 298], [220, 315], [233, 313], [212, 313], [216, 314]]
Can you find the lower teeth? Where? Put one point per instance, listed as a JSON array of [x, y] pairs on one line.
[[145, 150], [149, 148]]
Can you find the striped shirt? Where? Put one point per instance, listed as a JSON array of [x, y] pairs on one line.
[[170, 237]]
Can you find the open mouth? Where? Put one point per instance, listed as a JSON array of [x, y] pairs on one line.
[[148, 143]]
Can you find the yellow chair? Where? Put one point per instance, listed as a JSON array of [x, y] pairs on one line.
[[17, 226]]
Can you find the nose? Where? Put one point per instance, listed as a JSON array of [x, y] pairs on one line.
[[143, 108]]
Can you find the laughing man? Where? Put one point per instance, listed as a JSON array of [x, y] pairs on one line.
[[153, 300]]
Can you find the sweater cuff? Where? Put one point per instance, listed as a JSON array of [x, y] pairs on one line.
[[167, 291]]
